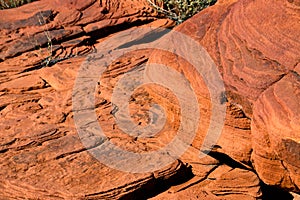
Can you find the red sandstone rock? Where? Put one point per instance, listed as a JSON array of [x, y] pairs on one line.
[[255, 47], [276, 133]]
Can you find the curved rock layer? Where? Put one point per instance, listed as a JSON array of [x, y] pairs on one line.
[[276, 133], [268, 69], [43, 44], [42, 47], [255, 45], [61, 23]]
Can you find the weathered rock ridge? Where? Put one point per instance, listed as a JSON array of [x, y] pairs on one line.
[[255, 46]]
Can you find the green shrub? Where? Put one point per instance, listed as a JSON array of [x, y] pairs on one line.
[[180, 10], [5, 4]]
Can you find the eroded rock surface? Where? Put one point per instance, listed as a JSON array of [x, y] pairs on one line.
[[254, 45], [257, 55]]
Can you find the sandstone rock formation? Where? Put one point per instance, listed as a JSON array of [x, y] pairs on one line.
[[254, 45], [257, 55]]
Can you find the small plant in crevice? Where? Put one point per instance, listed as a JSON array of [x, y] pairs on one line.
[[44, 50], [180, 10], [49, 58], [6, 4]]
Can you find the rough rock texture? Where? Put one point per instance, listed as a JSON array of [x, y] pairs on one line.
[[223, 183], [42, 156], [33, 25], [255, 47], [276, 136]]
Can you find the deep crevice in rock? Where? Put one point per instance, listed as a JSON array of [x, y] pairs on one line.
[[270, 192], [157, 186]]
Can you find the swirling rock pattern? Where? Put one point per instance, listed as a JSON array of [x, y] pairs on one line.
[[257, 53], [276, 133], [255, 47]]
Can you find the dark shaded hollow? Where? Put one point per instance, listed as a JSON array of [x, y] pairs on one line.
[[158, 186]]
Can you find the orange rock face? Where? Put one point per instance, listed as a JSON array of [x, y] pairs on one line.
[[255, 45], [44, 44]]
